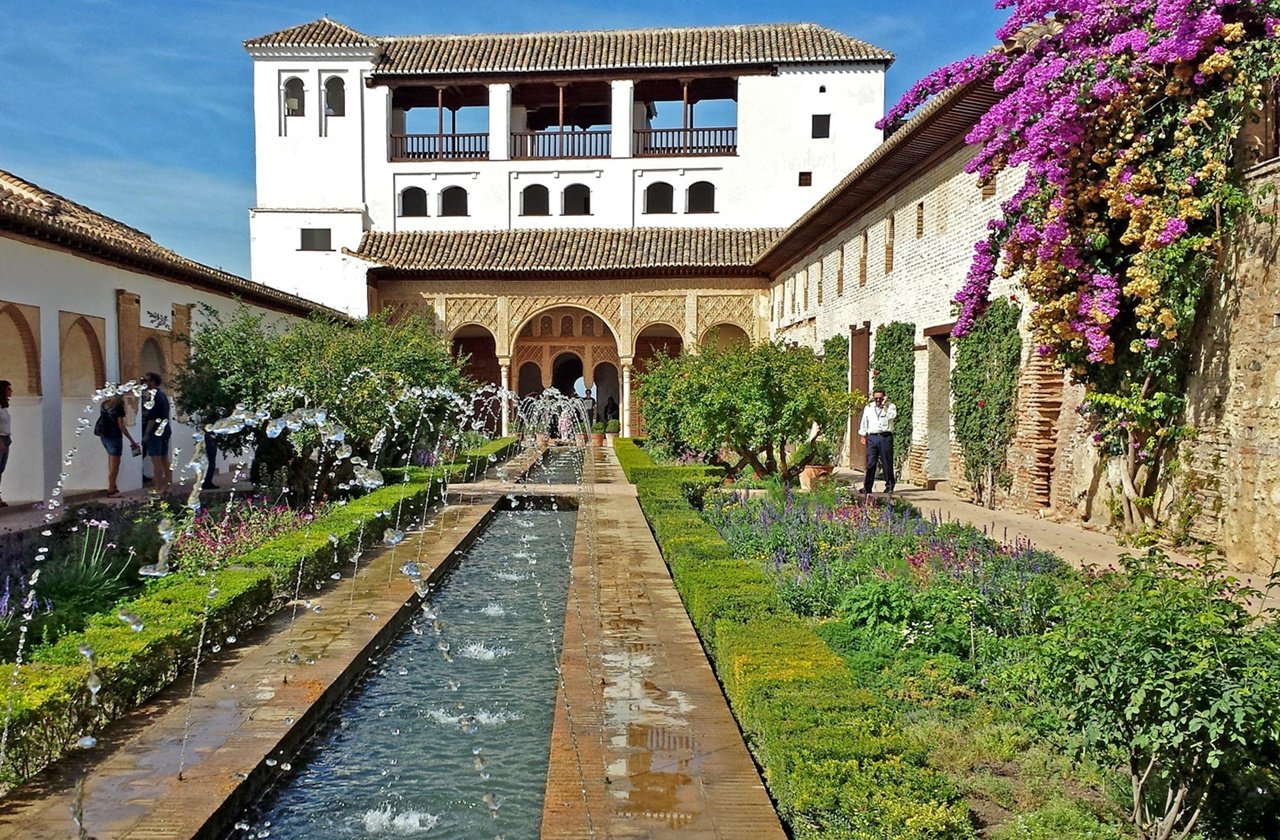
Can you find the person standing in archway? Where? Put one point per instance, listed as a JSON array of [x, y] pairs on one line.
[[156, 432]]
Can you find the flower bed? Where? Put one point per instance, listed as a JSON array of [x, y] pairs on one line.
[[51, 705]]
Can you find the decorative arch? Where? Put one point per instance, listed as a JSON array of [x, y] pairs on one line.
[[655, 338], [724, 336], [701, 198], [566, 325], [535, 200], [576, 200], [19, 351], [151, 358], [335, 97], [295, 97], [542, 317], [82, 362], [529, 379], [453, 202]]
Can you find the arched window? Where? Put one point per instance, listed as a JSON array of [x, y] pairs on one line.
[[659, 198], [413, 202], [294, 98], [577, 200], [335, 97], [588, 325], [535, 200], [702, 197], [453, 202], [566, 325], [544, 325]]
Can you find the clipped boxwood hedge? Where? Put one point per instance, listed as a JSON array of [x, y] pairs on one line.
[[51, 702], [631, 455], [834, 761]]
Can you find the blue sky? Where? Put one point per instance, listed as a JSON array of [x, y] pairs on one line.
[[142, 110]]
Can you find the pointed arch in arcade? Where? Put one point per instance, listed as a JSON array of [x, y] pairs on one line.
[[20, 349], [83, 366], [724, 336], [478, 347], [653, 341]]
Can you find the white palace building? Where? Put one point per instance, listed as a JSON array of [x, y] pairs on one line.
[[727, 128]]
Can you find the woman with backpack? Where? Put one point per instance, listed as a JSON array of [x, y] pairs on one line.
[[112, 430], [6, 391]]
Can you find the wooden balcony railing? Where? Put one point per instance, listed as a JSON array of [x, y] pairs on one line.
[[542, 145], [661, 142], [440, 146]]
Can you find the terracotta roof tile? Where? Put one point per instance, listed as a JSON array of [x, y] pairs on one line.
[[318, 33], [30, 210], [559, 251], [790, 43], [535, 52]]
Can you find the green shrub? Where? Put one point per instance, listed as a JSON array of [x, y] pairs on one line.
[[612, 427], [833, 759], [631, 455]]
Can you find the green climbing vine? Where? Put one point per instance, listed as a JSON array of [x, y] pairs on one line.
[[984, 385], [894, 366]]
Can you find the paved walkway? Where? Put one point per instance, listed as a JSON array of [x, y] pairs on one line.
[[255, 700], [644, 744]]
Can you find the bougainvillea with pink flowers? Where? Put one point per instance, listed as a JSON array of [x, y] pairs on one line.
[[1121, 121]]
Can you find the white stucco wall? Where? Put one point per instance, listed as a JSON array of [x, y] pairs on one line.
[[44, 426]]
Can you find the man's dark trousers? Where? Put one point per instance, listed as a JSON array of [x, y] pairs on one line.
[[879, 450]]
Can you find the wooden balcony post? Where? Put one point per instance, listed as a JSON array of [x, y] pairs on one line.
[[560, 149]]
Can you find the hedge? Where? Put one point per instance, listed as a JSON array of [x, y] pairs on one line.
[[834, 762], [631, 455], [51, 702]]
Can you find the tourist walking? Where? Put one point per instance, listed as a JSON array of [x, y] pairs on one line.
[[6, 429], [876, 432], [112, 430], [156, 432]]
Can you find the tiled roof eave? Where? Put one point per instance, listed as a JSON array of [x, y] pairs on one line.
[[637, 67], [34, 225]]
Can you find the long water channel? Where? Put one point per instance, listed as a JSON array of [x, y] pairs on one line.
[[449, 733]]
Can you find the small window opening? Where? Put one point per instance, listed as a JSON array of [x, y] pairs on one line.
[[566, 325], [840, 272], [920, 220], [702, 197], [806, 179], [535, 200], [316, 239], [294, 98], [822, 88], [817, 268], [577, 200], [821, 126], [988, 187], [335, 97], [888, 245], [862, 261], [453, 202], [659, 197], [413, 202]]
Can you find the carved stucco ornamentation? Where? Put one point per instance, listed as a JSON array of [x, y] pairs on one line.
[[557, 349], [471, 310], [726, 309], [603, 353], [528, 353], [653, 309], [606, 306]]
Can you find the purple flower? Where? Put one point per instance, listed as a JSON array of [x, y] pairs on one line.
[[1173, 229]]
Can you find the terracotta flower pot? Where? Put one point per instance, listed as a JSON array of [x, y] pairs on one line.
[[597, 439]]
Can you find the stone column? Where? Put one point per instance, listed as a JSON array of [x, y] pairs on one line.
[[621, 116], [499, 121], [505, 384], [626, 397]]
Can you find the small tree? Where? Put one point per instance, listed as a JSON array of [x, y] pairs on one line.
[[758, 402], [1164, 666]]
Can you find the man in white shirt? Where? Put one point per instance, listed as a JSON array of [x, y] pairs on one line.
[[876, 432]]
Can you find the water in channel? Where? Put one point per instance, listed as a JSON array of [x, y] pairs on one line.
[[449, 734]]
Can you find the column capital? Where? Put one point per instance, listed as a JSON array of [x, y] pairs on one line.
[[626, 361]]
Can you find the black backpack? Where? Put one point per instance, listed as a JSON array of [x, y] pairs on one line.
[[103, 426]]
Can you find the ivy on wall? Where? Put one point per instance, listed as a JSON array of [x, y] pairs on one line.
[[984, 385], [894, 365]]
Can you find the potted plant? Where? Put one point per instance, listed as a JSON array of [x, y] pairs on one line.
[[821, 457], [597, 433], [611, 430]]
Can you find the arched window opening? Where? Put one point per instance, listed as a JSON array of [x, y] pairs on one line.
[[588, 325], [577, 200], [82, 360], [535, 200], [702, 197], [413, 202], [659, 198], [453, 202], [335, 97], [294, 98], [544, 325], [530, 380], [566, 325]]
